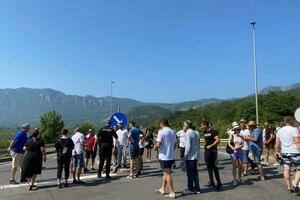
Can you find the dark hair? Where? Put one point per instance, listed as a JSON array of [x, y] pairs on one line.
[[132, 123], [35, 132], [188, 124], [64, 131], [205, 122], [164, 122]]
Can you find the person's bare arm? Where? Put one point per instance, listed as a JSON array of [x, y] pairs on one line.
[[297, 141], [229, 142]]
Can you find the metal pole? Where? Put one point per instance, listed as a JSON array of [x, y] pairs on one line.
[[111, 97], [255, 71]]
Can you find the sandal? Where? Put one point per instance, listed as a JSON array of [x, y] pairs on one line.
[[170, 196], [159, 192]]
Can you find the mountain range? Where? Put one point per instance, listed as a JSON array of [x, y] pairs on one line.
[[27, 105]]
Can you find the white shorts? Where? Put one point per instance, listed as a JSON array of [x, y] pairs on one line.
[[17, 159]]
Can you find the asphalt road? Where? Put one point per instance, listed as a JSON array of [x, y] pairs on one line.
[[143, 188]]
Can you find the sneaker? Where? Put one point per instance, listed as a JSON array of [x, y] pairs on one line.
[[13, 182], [108, 177], [197, 192], [135, 176], [75, 181], [99, 175], [218, 187], [209, 184], [80, 182], [265, 163], [92, 168], [66, 185], [276, 164], [59, 186], [130, 176], [234, 182], [187, 192]]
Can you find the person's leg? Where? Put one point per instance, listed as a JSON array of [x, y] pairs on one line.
[[297, 178], [59, 170], [137, 166], [14, 167], [81, 166], [215, 167], [93, 159], [170, 183], [75, 163], [87, 155], [164, 183], [195, 176], [286, 175], [189, 174], [108, 164], [267, 154], [240, 169], [120, 155], [67, 169], [124, 157], [257, 155], [233, 161], [209, 167], [32, 180]]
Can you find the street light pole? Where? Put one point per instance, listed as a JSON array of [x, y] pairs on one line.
[[255, 71], [111, 97]]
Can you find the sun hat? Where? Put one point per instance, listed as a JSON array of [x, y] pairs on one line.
[[252, 123]]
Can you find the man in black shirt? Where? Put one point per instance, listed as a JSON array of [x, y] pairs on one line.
[[105, 140], [212, 139]]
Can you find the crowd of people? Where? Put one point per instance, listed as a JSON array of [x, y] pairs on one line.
[[244, 138]]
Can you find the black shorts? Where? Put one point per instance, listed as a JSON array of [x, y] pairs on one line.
[[90, 154], [134, 152], [141, 151], [166, 164]]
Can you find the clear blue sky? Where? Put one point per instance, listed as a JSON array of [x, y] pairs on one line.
[[155, 51]]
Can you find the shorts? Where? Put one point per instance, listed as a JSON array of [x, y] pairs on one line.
[[256, 155], [290, 159], [90, 154], [166, 164], [78, 160], [246, 156], [134, 152], [270, 146], [238, 155], [17, 159], [141, 151]]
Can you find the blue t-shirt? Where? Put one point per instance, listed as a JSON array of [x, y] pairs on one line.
[[20, 140], [135, 135], [259, 143]]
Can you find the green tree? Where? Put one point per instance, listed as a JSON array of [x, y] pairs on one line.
[[50, 125]]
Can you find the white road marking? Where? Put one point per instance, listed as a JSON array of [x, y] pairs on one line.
[[50, 183]]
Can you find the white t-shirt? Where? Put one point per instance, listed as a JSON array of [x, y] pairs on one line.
[[181, 136], [122, 136], [244, 133], [78, 139], [286, 135], [167, 139]]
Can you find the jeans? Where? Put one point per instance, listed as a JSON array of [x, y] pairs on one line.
[[121, 155], [192, 175]]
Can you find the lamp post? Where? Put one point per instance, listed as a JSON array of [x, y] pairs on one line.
[[255, 70], [111, 97]]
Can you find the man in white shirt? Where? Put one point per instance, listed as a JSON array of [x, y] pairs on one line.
[[77, 154], [181, 141], [246, 160], [122, 144], [166, 141], [289, 141]]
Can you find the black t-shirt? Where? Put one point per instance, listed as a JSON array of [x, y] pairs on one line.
[[209, 137], [106, 134], [64, 142], [270, 131]]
